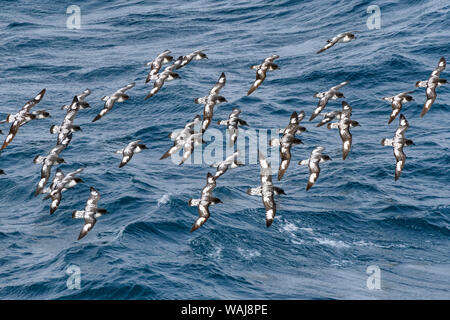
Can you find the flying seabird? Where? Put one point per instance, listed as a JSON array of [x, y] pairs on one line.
[[118, 96], [196, 55], [398, 142], [261, 70], [160, 78], [287, 140], [90, 213], [128, 152], [155, 65], [206, 199], [431, 84], [24, 116], [397, 102], [47, 163], [211, 100], [266, 190], [60, 184], [333, 94], [180, 137], [229, 163], [344, 125], [232, 124], [313, 165], [342, 37]]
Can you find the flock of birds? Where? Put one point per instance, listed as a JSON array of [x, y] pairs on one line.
[[187, 138]]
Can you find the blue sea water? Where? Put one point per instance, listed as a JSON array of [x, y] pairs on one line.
[[321, 242]]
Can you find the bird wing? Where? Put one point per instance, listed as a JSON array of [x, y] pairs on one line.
[[218, 85]]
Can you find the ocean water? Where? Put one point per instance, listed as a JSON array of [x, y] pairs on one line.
[[321, 242]]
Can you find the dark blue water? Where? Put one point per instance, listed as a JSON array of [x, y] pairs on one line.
[[321, 241]]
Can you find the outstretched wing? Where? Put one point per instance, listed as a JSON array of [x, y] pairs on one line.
[[92, 201], [89, 223], [339, 86], [219, 85], [30, 104], [203, 215], [327, 46], [441, 66], [127, 87], [396, 108], [260, 76], [271, 58], [400, 157], [431, 97], [12, 133], [320, 106], [285, 154], [269, 205], [346, 137]]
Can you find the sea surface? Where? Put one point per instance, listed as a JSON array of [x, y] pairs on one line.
[[321, 242]]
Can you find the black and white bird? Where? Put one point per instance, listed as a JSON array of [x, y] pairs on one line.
[[313, 165], [211, 100], [397, 102], [24, 116], [344, 125], [180, 137], [155, 64], [196, 55], [340, 38], [167, 75], [261, 71], [118, 96], [90, 213], [206, 199], [433, 81], [47, 162], [232, 125], [267, 190], [128, 152], [287, 140], [59, 185], [398, 142], [2, 172], [332, 94], [230, 162]]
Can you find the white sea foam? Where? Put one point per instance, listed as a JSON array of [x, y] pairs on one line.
[[164, 199], [290, 227], [332, 243], [249, 254]]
